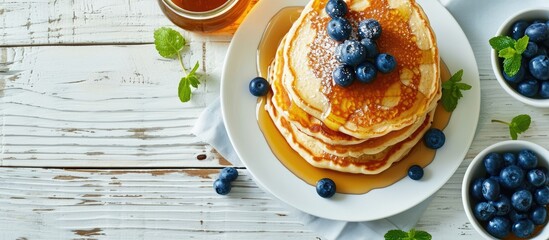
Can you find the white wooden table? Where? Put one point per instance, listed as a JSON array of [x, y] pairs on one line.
[[96, 145]]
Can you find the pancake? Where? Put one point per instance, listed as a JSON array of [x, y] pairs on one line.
[[392, 101], [320, 137], [364, 164]]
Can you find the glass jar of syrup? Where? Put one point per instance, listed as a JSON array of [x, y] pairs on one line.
[[204, 15]]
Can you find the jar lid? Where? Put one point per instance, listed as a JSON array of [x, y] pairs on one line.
[[201, 15]]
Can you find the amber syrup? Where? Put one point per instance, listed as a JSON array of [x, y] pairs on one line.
[[346, 182]]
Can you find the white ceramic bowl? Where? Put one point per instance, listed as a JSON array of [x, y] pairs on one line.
[[476, 169], [528, 15]]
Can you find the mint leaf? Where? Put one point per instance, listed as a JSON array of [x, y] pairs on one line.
[[184, 90], [451, 91], [193, 79], [449, 102], [511, 66], [521, 123], [518, 125], [501, 42], [457, 76], [511, 52], [168, 42], [411, 235], [395, 235], [507, 52], [521, 44], [422, 235], [463, 86]]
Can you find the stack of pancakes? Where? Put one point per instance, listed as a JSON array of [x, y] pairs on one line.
[[362, 128]]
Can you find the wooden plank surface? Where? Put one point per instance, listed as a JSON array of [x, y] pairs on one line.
[[87, 89], [106, 106], [76, 22], [138, 204]]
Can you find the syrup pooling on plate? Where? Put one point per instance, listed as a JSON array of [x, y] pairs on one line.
[[346, 182]]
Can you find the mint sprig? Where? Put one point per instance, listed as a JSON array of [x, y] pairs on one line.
[[411, 235], [511, 51], [518, 125], [451, 91], [169, 44]]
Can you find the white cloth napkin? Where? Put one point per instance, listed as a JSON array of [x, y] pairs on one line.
[[209, 128]]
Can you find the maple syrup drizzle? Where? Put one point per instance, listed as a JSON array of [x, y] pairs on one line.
[[346, 182]]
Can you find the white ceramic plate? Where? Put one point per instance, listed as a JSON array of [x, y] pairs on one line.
[[239, 114]]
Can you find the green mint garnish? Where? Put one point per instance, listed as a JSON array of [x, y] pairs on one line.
[[511, 51], [169, 44], [451, 91], [411, 235], [518, 125]]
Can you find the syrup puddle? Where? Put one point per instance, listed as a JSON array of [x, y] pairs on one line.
[[346, 182], [278, 26]]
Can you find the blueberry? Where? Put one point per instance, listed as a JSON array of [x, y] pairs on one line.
[[511, 176], [369, 28], [538, 215], [527, 159], [366, 72], [371, 47], [476, 189], [484, 211], [509, 158], [415, 172], [536, 177], [228, 173], [502, 205], [541, 51], [339, 29], [325, 187], [541, 195], [352, 52], [490, 189], [518, 77], [531, 50], [259, 86], [222, 187], [518, 28], [528, 88], [336, 8], [521, 200], [493, 163], [537, 32], [526, 186], [499, 227], [539, 67], [434, 138], [523, 228], [385, 63], [515, 216], [544, 89], [343, 75]]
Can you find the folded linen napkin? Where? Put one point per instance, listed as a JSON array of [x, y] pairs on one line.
[[209, 128]]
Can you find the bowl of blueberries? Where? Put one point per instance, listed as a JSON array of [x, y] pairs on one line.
[[505, 191], [520, 56]]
